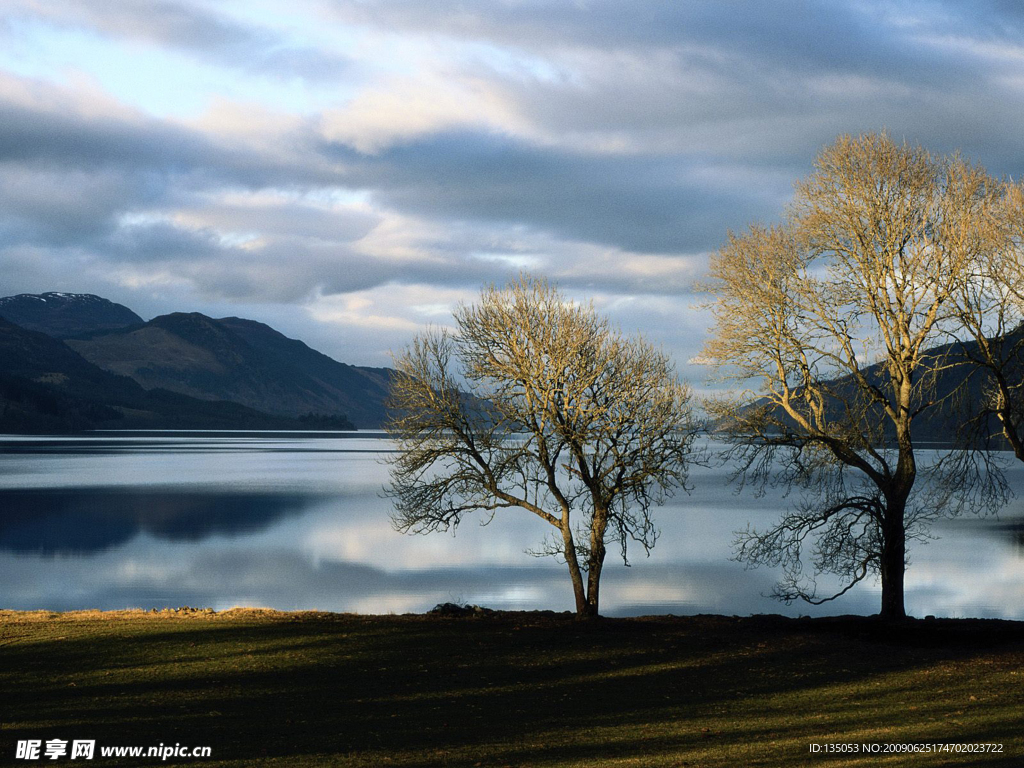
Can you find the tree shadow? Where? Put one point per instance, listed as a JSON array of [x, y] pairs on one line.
[[510, 689]]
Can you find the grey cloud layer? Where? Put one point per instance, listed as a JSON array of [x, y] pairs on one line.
[[795, 33], [68, 180], [623, 131], [760, 80], [645, 204]]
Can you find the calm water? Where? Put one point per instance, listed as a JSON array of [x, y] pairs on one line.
[[295, 521]]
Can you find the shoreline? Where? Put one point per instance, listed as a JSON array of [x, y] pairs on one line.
[[935, 627]]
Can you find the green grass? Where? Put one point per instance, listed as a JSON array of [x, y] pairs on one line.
[[313, 689]]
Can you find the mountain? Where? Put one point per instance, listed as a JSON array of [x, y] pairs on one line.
[[230, 359], [65, 314], [47, 387], [240, 360], [958, 394], [360, 391]]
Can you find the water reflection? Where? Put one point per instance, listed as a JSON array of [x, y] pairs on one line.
[[75, 521], [297, 522], [1012, 529], [139, 441]]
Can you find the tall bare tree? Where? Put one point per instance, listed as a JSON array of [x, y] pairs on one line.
[[989, 306], [535, 403], [834, 312]]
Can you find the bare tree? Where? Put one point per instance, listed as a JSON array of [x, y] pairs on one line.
[[834, 312], [989, 305], [534, 402]]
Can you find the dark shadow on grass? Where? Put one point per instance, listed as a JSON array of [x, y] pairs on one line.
[[421, 686]]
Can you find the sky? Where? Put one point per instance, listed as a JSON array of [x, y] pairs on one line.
[[349, 170]]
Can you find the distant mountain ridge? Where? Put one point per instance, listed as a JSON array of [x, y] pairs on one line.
[[957, 411], [239, 360], [65, 314], [47, 387], [231, 359]]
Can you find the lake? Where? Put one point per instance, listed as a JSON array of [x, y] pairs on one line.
[[296, 521]]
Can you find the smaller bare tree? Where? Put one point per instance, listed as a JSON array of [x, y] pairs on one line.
[[535, 403]]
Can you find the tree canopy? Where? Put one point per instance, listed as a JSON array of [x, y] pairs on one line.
[[536, 403], [834, 313], [989, 309]]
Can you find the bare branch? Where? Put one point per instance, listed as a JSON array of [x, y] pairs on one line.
[[836, 313], [535, 402]]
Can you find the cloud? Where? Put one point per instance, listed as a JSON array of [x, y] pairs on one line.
[[51, 207], [639, 203], [83, 128], [269, 214], [609, 146], [765, 83], [256, 216], [193, 28], [791, 35], [401, 109]]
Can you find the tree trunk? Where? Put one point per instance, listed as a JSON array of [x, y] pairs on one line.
[[597, 552], [1010, 431], [893, 557], [893, 566], [594, 584], [593, 591], [569, 551]]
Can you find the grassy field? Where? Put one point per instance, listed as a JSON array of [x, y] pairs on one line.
[[313, 689]]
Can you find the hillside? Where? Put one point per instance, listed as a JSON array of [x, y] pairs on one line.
[[955, 397], [240, 360], [47, 387], [230, 359]]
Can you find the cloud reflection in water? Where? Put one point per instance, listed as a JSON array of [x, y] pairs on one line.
[[297, 523]]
